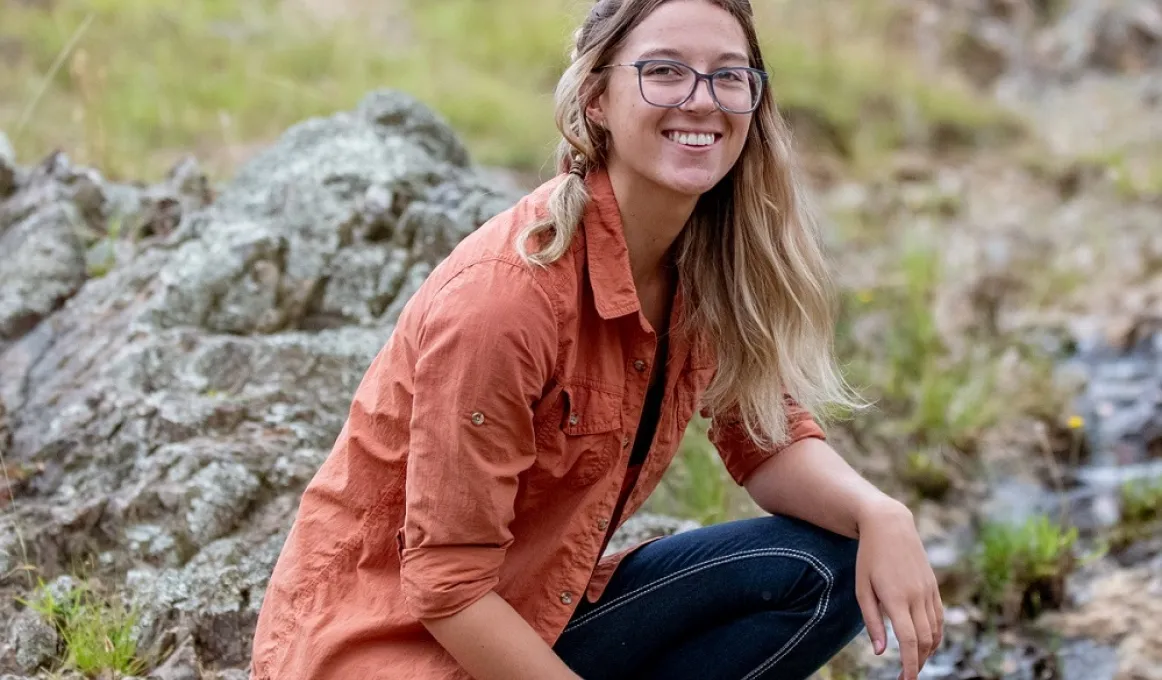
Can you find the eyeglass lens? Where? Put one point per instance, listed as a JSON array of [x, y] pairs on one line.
[[667, 83]]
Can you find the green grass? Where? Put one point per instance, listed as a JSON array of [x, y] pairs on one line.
[[926, 395], [1142, 501], [1141, 514], [1021, 568], [138, 83], [97, 632]]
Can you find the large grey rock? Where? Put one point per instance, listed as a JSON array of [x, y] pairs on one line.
[[43, 267], [174, 403], [65, 224]]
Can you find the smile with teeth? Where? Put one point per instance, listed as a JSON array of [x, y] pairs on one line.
[[692, 138]]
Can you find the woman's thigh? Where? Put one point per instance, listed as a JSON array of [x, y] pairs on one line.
[[748, 599]]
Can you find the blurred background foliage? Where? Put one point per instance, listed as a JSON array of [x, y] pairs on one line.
[[128, 85]]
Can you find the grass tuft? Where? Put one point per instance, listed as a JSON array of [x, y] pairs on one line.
[[1141, 515], [1022, 568], [97, 631]]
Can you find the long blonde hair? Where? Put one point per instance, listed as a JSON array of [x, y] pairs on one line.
[[750, 261]]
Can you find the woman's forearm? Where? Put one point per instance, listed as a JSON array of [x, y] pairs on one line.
[[810, 481], [492, 642]]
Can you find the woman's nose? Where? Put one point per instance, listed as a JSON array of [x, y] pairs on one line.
[[701, 100]]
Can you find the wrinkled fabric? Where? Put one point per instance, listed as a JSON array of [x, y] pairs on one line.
[[485, 450], [767, 598]]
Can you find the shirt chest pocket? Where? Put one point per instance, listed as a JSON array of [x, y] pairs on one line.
[[578, 434]]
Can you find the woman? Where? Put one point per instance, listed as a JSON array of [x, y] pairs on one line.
[[536, 389]]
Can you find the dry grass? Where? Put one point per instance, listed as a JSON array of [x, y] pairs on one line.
[[129, 85]]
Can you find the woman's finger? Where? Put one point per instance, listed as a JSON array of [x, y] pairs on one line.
[[925, 631], [872, 617], [936, 615], [905, 629]]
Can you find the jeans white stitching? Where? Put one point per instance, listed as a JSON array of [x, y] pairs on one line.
[[695, 568], [820, 609]]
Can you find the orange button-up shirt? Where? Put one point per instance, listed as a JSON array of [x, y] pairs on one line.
[[485, 450]]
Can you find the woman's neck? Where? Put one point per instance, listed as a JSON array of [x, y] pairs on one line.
[[652, 218]]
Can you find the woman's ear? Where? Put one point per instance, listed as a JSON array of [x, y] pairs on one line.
[[595, 114], [595, 111]]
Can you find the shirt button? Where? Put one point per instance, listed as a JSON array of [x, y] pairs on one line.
[[478, 418], [603, 524], [573, 419], [639, 366], [566, 597], [625, 442]]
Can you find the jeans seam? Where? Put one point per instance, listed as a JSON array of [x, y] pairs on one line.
[[820, 609], [702, 566]]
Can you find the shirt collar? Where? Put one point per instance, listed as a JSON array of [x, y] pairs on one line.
[[606, 252]]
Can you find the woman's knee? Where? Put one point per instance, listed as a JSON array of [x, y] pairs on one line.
[[830, 568]]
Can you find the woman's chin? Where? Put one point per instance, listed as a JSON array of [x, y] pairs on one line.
[[689, 181]]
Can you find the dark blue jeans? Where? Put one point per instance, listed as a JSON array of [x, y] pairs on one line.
[[765, 598]]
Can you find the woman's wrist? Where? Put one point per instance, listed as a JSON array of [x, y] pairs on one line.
[[877, 506]]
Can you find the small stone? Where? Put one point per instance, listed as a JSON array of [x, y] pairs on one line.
[[181, 665], [35, 641]]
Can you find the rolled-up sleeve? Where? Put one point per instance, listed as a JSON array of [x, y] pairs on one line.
[[485, 349], [741, 455]]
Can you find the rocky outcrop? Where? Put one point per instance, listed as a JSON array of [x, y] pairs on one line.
[[176, 364], [1047, 39]]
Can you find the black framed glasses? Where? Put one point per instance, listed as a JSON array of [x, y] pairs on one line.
[[670, 84]]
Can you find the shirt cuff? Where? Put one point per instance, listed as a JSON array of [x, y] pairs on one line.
[[441, 581], [742, 456]]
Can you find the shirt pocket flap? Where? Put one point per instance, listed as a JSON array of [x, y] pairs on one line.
[[590, 410]]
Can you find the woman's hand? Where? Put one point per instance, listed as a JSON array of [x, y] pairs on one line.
[[893, 577]]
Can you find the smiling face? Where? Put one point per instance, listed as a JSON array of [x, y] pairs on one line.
[[686, 150]]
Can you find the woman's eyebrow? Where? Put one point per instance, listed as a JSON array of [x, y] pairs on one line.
[[670, 53]]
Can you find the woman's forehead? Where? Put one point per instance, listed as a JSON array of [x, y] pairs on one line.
[[688, 30]]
